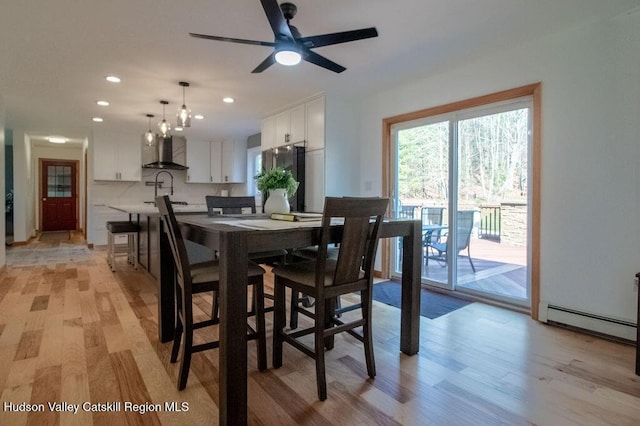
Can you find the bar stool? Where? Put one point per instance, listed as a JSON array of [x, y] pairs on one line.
[[128, 249]]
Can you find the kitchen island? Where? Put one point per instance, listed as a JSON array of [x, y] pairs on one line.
[[146, 215]]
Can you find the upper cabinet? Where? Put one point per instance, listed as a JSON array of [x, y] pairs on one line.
[[117, 158], [217, 162], [234, 161], [198, 162], [294, 126], [315, 122]]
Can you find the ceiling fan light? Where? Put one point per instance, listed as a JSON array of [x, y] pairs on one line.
[[288, 57]]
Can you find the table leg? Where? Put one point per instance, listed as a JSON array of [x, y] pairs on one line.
[[233, 328], [411, 291]]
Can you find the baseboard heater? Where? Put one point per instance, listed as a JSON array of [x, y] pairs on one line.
[[586, 321]]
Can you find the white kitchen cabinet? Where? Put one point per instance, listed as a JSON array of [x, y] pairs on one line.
[[315, 124], [198, 161], [234, 161], [117, 157], [284, 128], [314, 181], [217, 161], [268, 133]]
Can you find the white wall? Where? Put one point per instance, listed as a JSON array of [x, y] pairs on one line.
[[23, 188], [590, 217]]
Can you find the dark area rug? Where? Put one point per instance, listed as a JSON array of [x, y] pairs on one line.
[[432, 304]]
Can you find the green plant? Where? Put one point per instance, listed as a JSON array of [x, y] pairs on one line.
[[276, 178]]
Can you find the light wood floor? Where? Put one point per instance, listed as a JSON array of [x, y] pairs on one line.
[[74, 332]]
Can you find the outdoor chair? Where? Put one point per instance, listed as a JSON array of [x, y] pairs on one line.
[[438, 250]]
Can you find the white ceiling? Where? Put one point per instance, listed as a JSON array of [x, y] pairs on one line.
[[55, 54]]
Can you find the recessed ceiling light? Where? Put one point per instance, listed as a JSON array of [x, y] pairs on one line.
[[113, 79], [199, 117], [98, 119], [178, 129], [57, 139], [228, 100], [103, 103]]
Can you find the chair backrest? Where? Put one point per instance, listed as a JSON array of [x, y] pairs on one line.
[[358, 243], [432, 215], [229, 205], [407, 212], [465, 227], [176, 243]]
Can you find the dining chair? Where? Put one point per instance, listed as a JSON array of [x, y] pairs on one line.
[[204, 277], [438, 250], [243, 205], [325, 279]]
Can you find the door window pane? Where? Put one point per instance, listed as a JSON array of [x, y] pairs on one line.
[[59, 181]]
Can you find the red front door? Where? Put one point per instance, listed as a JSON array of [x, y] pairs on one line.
[[59, 195]]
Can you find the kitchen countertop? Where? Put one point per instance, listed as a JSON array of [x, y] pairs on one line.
[[150, 209]]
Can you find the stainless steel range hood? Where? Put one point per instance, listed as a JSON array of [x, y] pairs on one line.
[[164, 150]]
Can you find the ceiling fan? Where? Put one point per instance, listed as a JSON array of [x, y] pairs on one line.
[[289, 46]]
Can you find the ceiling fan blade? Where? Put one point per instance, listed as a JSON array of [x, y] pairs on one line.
[[276, 20], [321, 61], [270, 60], [336, 38], [233, 40]]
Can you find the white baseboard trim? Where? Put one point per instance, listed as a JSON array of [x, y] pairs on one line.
[[587, 321]]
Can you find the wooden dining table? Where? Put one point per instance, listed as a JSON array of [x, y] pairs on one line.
[[234, 237]]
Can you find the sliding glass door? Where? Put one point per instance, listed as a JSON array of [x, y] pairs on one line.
[[466, 174]]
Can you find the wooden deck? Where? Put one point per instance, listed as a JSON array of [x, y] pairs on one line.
[[500, 269]]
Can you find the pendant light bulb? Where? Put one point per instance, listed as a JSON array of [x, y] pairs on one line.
[[164, 126], [184, 114], [149, 136]]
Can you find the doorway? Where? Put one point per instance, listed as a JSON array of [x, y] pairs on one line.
[[59, 195], [465, 170]]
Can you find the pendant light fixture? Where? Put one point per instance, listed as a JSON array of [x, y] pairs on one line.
[[164, 126], [149, 136], [184, 114]]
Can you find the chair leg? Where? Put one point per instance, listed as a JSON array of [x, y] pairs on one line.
[[319, 342], [293, 320], [279, 322], [177, 337], [329, 312], [367, 334], [215, 307], [185, 362], [258, 302], [471, 261]]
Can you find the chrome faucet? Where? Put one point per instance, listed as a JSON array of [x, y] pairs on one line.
[[155, 187]]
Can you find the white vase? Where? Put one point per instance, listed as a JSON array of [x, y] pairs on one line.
[[277, 202]]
